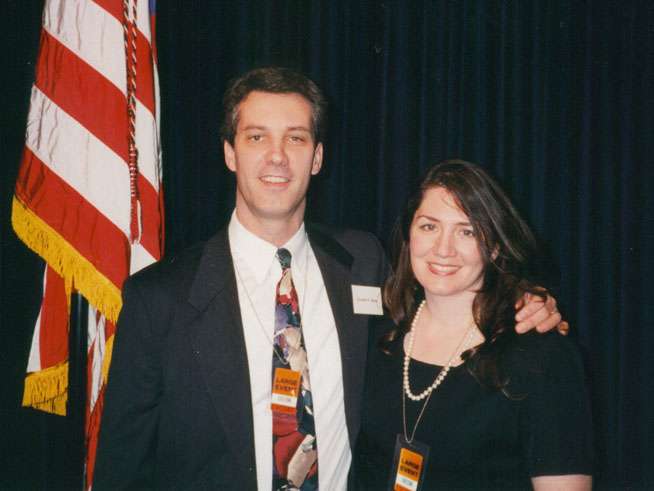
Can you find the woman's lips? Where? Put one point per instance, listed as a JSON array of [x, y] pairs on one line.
[[443, 269]]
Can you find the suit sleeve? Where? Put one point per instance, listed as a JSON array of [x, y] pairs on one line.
[[128, 430]]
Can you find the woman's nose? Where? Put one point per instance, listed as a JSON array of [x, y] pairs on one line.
[[444, 245]]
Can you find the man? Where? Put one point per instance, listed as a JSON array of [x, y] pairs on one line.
[[210, 344]]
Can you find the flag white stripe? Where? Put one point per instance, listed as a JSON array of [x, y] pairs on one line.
[[34, 360], [140, 258], [96, 342], [91, 33], [80, 159], [143, 20], [147, 143]]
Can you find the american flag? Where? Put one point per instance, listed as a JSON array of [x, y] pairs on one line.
[[88, 196]]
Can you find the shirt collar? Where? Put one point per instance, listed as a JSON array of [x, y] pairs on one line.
[[259, 255]]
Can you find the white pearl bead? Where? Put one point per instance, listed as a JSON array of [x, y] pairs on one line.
[[407, 357]]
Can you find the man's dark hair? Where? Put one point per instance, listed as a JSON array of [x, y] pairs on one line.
[[276, 80]]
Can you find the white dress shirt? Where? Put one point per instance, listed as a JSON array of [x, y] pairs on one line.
[[257, 273]]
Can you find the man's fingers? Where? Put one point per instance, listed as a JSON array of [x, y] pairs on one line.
[[563, 328], [522, 327], [521, 301], [550, 304], [540, 314], [531, 306], [539, 317], [552, 321]]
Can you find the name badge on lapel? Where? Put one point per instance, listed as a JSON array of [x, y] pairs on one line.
[[367, 300]]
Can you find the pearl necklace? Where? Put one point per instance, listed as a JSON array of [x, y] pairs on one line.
[[444, 371]]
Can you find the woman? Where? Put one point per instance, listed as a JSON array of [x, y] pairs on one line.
[[455, 399]]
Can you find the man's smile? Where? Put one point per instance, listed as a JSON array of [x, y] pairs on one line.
[[274, 179]]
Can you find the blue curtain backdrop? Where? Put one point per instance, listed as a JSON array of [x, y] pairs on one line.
[[553, 97]]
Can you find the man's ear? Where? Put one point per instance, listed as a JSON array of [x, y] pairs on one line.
[[316, 165], [496, 252], [230, 157]]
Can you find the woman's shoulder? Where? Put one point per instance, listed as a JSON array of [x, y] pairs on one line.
[[548, 383], [552, 356], [543, 347]]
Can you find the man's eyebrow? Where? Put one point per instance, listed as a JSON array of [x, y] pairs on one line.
[[263, 128]]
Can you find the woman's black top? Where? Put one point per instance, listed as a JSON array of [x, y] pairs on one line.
[[481, 438]]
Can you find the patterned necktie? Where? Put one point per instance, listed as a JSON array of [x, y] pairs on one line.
[[295, 464]]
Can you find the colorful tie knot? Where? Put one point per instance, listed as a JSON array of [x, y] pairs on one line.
[[284, 258]]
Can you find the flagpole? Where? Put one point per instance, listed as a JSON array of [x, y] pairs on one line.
[[77, 383]]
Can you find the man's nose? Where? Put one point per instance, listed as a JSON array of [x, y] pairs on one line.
[[278, 153]]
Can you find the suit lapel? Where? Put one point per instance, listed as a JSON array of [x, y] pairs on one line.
[[217, 339], [216, 334], [336, 267]]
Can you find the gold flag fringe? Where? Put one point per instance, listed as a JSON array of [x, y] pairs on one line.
[[46, 390], [74, 268]]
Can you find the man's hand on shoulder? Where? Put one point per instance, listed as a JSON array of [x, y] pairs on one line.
[[535, 313]]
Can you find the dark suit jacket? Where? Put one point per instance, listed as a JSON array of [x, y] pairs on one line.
[[178, 412]]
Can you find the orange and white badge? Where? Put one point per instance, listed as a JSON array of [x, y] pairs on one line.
[[285, 390], [409, 463], [408, 471]]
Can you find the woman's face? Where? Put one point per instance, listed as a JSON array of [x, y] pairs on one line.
[[444, 249]]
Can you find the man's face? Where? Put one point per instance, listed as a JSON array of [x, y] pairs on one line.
[[274, 155]]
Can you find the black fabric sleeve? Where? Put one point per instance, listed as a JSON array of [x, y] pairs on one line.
[[555, 416], [125, 458]]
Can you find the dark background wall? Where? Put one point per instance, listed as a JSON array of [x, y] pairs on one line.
[[553, 97]]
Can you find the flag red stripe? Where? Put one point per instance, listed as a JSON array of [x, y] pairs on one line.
[[109, 329], [53, 342], [153, 34], [113, 7], [93, 419], [144, 73], [81, 224]]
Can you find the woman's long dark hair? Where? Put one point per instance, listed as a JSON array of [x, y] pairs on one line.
[[509, 252]]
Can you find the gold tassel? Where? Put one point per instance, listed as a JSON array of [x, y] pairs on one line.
[[46, 389]]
